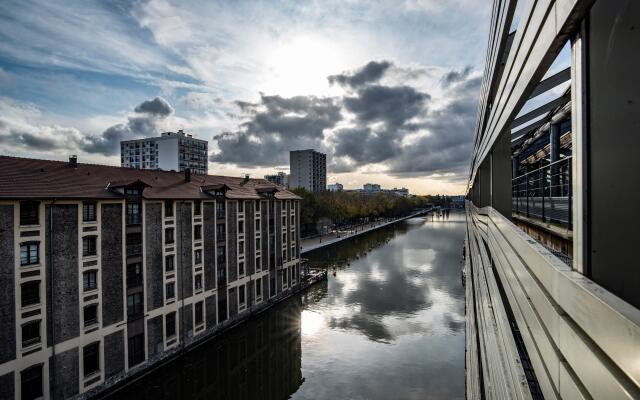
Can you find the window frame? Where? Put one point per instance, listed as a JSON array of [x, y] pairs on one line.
[[89, 211], [29, 213], [87, 287], [29, 247], [24, 294], [87, 322], [34, 340], [91, 350]]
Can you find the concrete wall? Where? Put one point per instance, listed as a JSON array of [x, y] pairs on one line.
[[184, 234], [112, 268], [613, 41], [153, 255], [232, 241], [155, 336], [65, 367], [210, 309], [7, 388], [113, 354], [209, 245], [63, 303], [7, 277], [249, 241]]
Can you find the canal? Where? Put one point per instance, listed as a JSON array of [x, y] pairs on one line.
[[387, 324]]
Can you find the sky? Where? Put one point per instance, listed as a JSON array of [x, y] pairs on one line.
[[387, 89]]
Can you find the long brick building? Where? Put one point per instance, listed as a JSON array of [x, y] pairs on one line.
[[105, 271]]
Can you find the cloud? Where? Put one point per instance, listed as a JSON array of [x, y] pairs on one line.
[[22, 130], [275, 125], [157, 107], [400, 130], [372, 72], [453, 77], [144, 122]]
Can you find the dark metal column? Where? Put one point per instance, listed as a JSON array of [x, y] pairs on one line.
[[554, 144]]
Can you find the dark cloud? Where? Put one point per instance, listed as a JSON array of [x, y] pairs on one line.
[[158, 107], [380, 117], [276, 125], [143, 123], [453, 77], [372, 72], [392, 105]]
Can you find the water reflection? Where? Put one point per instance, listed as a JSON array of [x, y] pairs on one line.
[[392, 322], [259, 359], [388, 325]]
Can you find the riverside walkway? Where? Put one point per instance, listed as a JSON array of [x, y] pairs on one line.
[[318, 242]]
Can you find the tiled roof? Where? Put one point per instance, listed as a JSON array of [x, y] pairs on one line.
[[27, 178]]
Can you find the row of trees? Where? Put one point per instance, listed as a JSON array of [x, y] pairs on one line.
[[347, 208]]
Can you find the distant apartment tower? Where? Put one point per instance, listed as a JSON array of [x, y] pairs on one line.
[[371, 187], [172, 151], [335, 187], [308, 170], [280, 179]]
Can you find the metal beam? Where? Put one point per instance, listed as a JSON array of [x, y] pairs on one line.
[[551, 82], [539, 111], [519, 134]]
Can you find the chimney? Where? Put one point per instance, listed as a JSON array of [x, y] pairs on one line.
[[246, 178], [187, 174], [73, 161]]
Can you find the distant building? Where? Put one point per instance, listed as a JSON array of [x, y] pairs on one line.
[[371, 187], [280, 179], [172, 151], [404, 192], [335, 187], [308, 170]]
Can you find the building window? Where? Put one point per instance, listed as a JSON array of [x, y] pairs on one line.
[[222, 277], [168, 263], [284, 277], [220, 232], [168, 208], [258, 244], [198, 256], [134, 244], [220, 255], [133, 213], [198, 282], [170, 325], [134, 275], [90, 280], [199, 314], [241, 296], [90, 315], [241, 247], [258, 288], [134, 304], [30, 333], [136, 349], [258, 225], [88, 212], [293, 221], [197, 232], [29, 253], [91, 358], [284, 254], [241, 226], [241, 268], [89, 246], [240, 206], [30, 293], [197, 207], [258, 263], [220, 209], [168, 236], [284, 221], [29, 213], [170, 291], [258, 204], [31, 383]]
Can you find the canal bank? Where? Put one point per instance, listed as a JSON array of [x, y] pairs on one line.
[[316, 243], [389, 324]]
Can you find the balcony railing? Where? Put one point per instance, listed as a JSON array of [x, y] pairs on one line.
[[545, 193]]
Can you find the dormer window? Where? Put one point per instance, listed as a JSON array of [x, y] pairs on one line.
[[132, 191]]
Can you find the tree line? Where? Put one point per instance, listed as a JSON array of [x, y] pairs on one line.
[[330, 209]]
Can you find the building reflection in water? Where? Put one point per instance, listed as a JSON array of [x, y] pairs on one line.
[[259, 359]]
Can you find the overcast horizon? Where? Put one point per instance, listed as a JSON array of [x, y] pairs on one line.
[[388, 91]]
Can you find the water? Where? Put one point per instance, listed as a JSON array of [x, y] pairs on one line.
[[388, 325]]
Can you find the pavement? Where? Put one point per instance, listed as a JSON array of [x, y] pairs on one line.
[[317, 242]]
